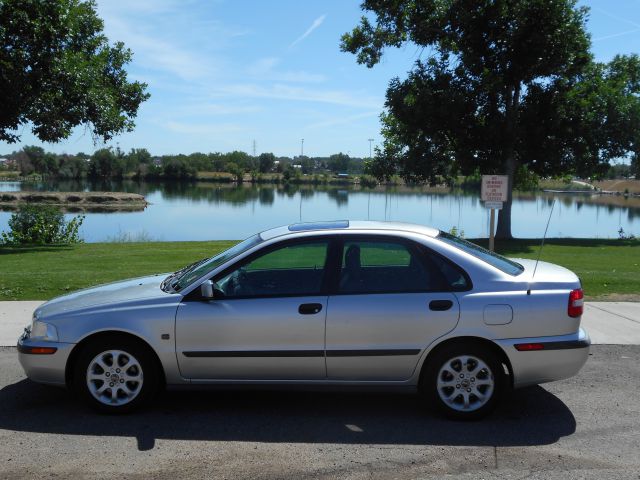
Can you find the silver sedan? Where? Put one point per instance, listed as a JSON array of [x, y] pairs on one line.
[[346, 303]]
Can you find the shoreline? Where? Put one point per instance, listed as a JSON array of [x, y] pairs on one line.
[[75, 201]]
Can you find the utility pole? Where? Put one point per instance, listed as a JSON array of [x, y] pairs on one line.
[[302, 148], [254, 148], [370, 142]]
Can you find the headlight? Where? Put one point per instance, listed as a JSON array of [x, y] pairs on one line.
[[43, 331]]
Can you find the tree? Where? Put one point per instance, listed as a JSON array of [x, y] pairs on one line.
[[338, 163], [178, 168], [58, 71], [105, 164], [135, 158], [266, 162], [72, 167], [44, 163], [24, 163], [507, 83]]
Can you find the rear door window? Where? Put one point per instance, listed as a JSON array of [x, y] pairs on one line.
[[386, 266]]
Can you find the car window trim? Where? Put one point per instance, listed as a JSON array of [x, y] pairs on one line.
[[414, 248], [271, 248]]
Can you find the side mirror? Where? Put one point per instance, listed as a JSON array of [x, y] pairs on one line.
[[206, 289]]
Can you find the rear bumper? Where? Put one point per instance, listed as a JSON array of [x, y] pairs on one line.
[[561, 357], [49, 368]]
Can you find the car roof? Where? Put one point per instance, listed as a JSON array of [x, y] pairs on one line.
[[348, 225]]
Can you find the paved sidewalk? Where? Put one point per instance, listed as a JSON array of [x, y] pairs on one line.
[[613, 323]]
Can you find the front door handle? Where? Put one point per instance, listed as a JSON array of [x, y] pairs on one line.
[[309, 308], [440, 305]]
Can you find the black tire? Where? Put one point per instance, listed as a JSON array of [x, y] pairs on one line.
[[482, 389], [141, 378]]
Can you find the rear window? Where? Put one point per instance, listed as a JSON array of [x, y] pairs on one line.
[[501, 263]]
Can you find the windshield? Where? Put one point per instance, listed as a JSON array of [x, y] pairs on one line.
[[501, 263], [185, 276]]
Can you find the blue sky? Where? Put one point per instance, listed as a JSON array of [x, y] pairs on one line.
[[223, 73]]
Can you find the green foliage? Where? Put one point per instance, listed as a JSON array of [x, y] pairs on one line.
[[59, 71], [473, 181], [72, 167], [178, 168], [525, 180], [41, 225], [105, 163], [287, 174], [456, 233], [266, 162], [338, 163], [135, 158], [619, 171], [368, 181], [622, 235], [236, 171], [504, 85], [635, 164]]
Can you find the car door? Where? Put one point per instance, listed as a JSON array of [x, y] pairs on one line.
[[391, 300], [268, 322]]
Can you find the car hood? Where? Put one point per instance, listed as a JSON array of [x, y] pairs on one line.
[[126, 291]]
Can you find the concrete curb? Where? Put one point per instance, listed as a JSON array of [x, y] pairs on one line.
[[613, 323]]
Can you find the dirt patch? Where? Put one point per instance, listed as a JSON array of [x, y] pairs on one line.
[[622, 186], [76, 201]]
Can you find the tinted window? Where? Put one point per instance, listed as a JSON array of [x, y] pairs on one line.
[[385, 267], [492, 258], [291, 270]]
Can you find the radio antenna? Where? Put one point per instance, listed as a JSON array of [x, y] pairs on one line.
[[543, 238]]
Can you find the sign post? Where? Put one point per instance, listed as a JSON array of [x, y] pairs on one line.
[[494, 194]]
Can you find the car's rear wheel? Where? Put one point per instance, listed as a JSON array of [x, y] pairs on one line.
[[463, 381], [116, 375]]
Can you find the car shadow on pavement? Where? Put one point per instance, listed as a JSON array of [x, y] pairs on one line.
[[531, 416]]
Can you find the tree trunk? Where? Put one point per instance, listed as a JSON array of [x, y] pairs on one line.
[[503, 230]]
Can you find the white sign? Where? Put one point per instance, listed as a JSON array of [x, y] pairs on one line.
[[493, 205], [494, 188]]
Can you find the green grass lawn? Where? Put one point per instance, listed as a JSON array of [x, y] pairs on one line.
[[609, 269]]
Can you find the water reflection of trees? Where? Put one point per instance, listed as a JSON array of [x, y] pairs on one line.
[[238, 195]]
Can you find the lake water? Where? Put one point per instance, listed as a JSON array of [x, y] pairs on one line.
[[208, 211]]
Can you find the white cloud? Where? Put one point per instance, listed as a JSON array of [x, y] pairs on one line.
[[164, 35], [343, 120], [214, 109], [316, 23], [288, 92], [264, 69], [200, 128]]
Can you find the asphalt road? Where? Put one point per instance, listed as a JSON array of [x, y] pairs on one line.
[[584, 427]]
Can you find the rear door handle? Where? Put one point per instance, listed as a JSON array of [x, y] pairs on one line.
[[309, 308], [440, 305]]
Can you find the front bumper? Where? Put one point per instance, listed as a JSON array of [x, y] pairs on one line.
[[562, 357], [48, 368]]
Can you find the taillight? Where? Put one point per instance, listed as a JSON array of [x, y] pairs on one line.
[[576, 303]]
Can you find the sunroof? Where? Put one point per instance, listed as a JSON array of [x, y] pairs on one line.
[[298, 227]]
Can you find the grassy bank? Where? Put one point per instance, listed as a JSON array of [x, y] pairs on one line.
[[609, 269]]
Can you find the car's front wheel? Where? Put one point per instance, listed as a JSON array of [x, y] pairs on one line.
[[115, 375], [463, 381]]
